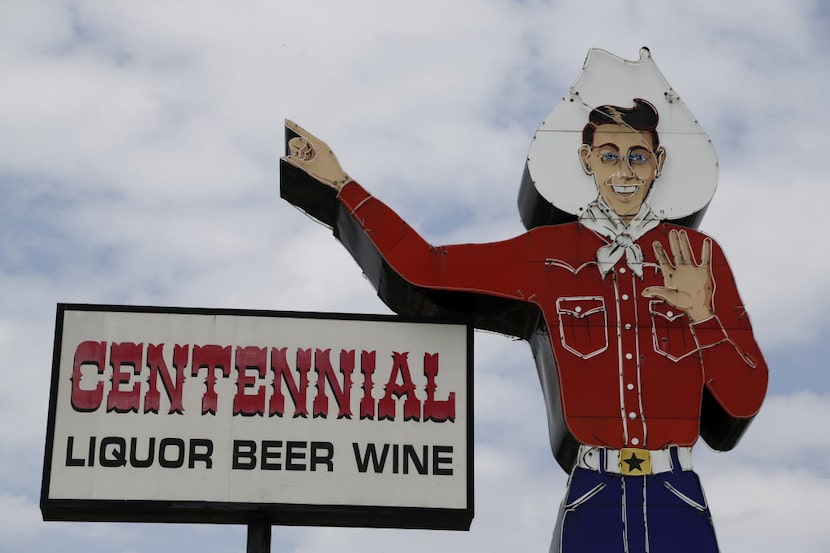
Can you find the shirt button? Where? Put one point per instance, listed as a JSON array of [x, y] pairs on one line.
[[629, 356], [625, 297], [629, 387], [632, 415], [635, 441], [622, 270], [628, 326]]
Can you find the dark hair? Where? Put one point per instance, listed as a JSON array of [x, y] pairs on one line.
[[642, 117]]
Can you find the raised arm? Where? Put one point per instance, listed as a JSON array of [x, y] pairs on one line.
[[412, 277], [734, 367]]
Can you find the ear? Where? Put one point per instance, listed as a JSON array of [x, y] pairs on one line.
[[660, 154], [584, 158]]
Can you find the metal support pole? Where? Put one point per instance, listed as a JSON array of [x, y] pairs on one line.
[[259, 537]]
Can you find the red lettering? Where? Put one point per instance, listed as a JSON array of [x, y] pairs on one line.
[[88, 353], [435, 410], [211, 357], [125, 354], [299, 393], [325, 372], [158, 367], [367, 367], [411, 405], [251, 364], [250, 357]]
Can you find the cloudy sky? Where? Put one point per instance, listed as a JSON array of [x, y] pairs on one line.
[[139, 147]]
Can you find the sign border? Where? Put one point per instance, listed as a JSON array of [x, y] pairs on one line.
[[93, 510]]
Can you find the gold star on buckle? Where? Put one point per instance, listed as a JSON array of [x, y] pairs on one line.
[[635, 462]]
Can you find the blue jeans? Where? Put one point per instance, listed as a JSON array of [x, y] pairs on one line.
[[609, 513]]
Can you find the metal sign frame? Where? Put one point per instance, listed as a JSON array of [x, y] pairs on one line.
[[255, 513]]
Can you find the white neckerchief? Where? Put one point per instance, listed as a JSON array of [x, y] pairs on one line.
[[604, 221]]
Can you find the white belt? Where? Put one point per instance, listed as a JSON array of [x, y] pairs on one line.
[[631, 461]]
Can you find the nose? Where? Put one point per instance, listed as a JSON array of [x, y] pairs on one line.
[[626, 171]]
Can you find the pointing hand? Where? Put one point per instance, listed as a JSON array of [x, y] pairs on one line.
[[312, 155]]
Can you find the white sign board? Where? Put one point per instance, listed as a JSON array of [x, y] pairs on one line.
[[168, 414]]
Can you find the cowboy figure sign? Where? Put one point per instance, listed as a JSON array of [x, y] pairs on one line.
[[641, 342]]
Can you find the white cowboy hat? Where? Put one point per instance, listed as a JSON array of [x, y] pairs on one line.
[[555, 188]]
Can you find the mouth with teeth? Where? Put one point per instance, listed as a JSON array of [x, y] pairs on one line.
[[625, 191]]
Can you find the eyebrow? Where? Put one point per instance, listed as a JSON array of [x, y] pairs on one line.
[[608, 145]]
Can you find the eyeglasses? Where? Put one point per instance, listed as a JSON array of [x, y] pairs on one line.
[[636, 158]]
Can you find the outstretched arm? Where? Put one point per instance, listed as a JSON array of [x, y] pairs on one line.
[[411, 276], [734, 368]]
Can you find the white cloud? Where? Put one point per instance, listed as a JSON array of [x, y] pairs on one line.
[[20, 516], [138, 164], [789, 432], [768, 493], [769, 510]]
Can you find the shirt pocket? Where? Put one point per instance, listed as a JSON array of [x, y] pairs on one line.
[[670, 331], [583, 325]]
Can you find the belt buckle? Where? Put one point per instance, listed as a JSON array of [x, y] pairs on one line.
[[635, 462]]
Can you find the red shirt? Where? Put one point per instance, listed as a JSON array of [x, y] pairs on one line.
[[618, 369]]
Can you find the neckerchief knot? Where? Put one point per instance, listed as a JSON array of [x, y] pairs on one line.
[[604, 221]]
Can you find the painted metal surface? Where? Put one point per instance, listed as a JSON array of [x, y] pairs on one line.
[[641, 341]]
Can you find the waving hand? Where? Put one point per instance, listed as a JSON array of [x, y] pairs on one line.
[[687, 285]]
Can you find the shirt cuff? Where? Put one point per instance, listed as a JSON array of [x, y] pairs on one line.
[[709, 332], [352, 195]]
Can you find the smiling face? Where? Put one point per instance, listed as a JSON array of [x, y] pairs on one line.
[[624, 164]]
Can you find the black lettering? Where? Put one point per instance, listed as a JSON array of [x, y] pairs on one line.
[[70, 460], [291, 455], [409, 453], [91, 452], [244, 454], [371, 453], [203, 456], [326, 458], [268, 454], [142, 463], [117, 453], [169, 443], [438, 460]]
